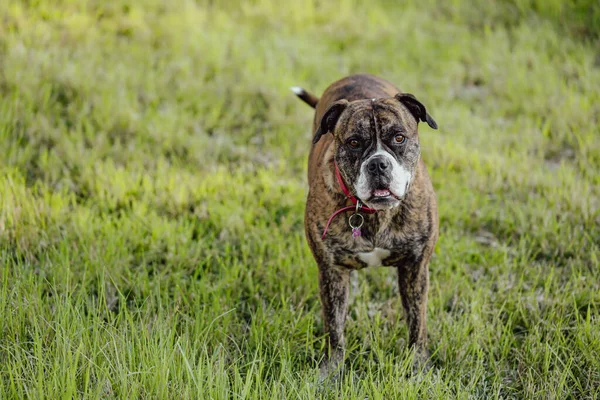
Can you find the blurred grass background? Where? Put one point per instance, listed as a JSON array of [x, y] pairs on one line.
[[152, 191]]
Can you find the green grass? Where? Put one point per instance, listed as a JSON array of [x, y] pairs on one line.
[[152, 190]]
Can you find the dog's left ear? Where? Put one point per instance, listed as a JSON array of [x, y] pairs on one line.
[[416, 108], [330, 118]]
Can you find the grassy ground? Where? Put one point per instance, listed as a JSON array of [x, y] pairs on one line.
[[152, 190]]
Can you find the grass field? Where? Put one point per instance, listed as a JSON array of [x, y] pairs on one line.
[[153, 180]]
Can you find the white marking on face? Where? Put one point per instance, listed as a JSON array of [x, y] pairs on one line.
[[375, 257], [400, 177]]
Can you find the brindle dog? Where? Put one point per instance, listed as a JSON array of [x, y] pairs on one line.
[[367, 129]]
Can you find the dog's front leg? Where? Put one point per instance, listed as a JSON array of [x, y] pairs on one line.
[[413, 282], [334, 285]]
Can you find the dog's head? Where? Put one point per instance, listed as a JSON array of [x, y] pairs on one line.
[[376, 145]]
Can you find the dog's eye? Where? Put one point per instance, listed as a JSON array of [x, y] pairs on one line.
[[355, 144], [399, 139]]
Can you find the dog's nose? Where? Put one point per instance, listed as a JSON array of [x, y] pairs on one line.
[[378, 165]]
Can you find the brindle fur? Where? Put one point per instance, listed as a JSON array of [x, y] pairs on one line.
[[409, 231]]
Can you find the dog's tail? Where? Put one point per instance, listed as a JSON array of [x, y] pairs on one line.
[[306, 97]]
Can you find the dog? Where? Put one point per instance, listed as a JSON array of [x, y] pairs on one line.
[[370, 202]]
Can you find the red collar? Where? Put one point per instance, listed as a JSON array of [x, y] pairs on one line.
[[353, 199]]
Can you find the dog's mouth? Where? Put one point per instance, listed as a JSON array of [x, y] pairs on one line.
[[382, 198], [381, 193]]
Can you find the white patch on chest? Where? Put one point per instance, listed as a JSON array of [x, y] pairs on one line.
[[374, 258]]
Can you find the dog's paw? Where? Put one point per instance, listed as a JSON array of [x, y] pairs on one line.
[[332, 368], [421, 361]]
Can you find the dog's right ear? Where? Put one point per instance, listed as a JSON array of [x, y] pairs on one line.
[[330, 118]]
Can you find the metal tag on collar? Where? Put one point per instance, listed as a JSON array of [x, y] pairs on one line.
[[361, 220]]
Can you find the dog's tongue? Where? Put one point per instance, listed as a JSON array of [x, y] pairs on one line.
[[382, 193]]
